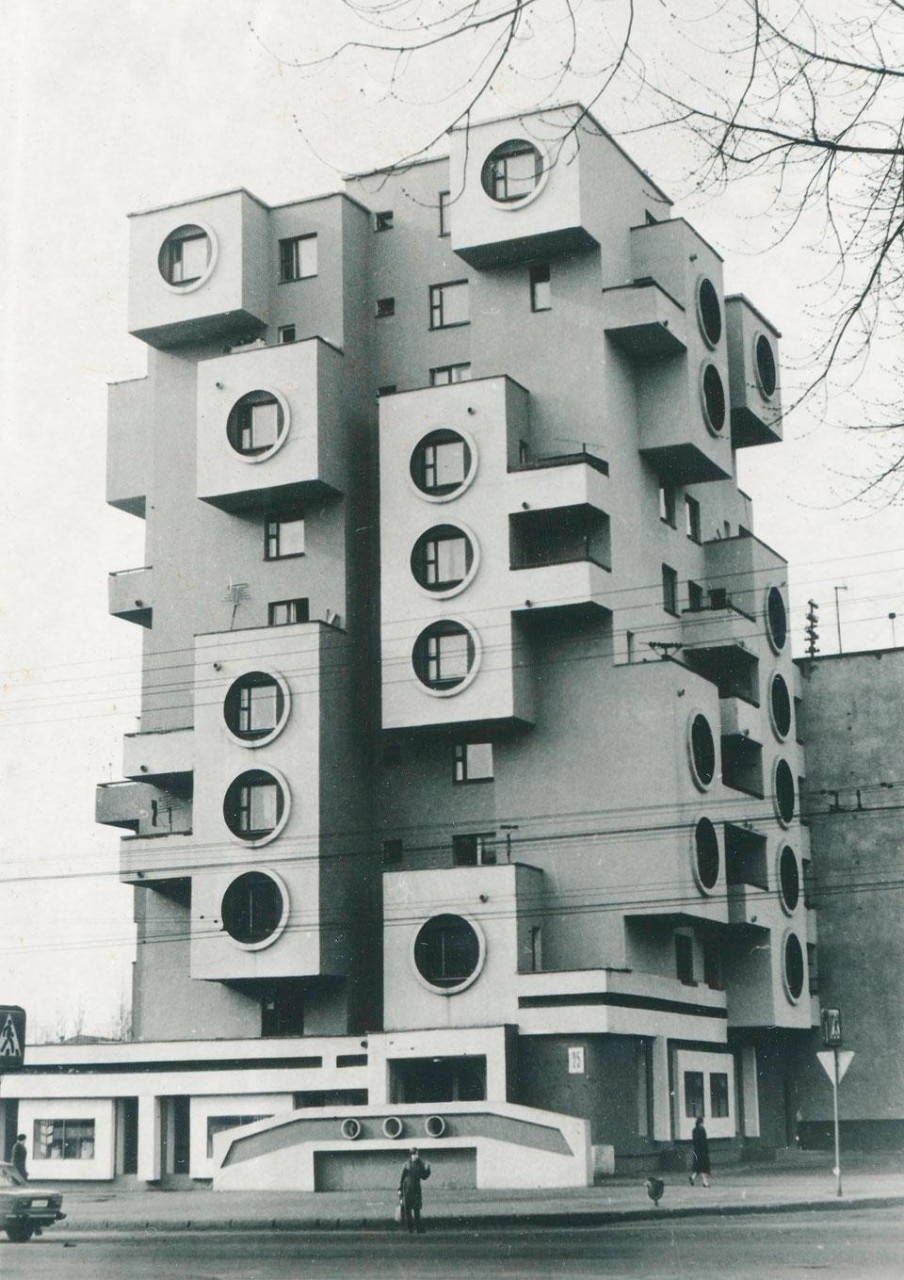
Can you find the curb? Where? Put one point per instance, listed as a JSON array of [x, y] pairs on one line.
[[476, 1223]]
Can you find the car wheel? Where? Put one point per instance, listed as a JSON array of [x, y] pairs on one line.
[[19, 1232]]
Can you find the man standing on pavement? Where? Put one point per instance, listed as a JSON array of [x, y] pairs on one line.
[[18, 1156], [414, 1171], [700, 1163]]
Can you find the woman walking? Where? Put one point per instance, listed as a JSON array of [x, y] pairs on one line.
[[700, 1162]]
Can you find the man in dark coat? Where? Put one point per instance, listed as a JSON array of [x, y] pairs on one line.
[[700, 1143], [414, 1171], [18, 1154]]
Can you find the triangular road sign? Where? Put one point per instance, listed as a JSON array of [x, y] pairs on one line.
[[827, 1060]]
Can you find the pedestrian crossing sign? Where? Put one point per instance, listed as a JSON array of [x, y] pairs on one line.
[[12, 1038]]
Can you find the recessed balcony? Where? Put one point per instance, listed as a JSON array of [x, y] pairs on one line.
[[740, 719], [563, 558], [130, 594], [644, 321]]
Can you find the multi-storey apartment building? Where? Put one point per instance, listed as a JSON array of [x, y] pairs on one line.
[[465, 798]]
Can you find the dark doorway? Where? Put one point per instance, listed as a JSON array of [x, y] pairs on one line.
[[438, 1079], [126, 1135]]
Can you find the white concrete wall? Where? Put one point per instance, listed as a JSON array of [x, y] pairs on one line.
[[100, 1110]]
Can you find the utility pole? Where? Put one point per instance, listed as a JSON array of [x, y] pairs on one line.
[[838, 617], [810, 630]]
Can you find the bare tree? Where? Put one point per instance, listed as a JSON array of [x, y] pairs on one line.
[[803, 99]]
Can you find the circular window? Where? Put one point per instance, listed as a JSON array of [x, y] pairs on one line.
[[706, 855], [254, 909], [445, 656], [443, 559], [187, 257], [713, 396], [257, 425], [780, 705], [783, 792], [512, 172], [442, 464], [256, 806], [702, 751], [448, 953], [788, 878], [776, 619], [709, 311], [793, 966], [764, 364], [256, 708]]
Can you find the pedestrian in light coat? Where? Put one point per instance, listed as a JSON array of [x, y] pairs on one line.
[[700, 1164], [414, 1171]]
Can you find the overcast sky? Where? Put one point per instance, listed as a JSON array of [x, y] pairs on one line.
[[112, 106]]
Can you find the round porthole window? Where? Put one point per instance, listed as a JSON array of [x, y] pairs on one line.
[[765, 366], [444, 559], [257, 425], [709, 311], [712, 393], [788, 878], [707, 859], [256, 806], [780, 705], [442, 464], [254, 909], [445, 657], [187, 257], [776, 619], [256, 708], [784, 792], [512, 172], [702, 751], [448, 953], [793, 966]]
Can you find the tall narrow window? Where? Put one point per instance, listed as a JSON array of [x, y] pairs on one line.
[[449, 304], [692, 518], [284, 537], [668, 503], [540, 290], [297, 258], [669, 589], [694, 597], [536, 948], [444, 210], [684, 958], [473, 762], [693, 1093]]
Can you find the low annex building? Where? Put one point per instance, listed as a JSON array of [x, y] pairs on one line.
[[465, 801]]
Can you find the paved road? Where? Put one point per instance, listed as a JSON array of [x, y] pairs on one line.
[[843, 1246]]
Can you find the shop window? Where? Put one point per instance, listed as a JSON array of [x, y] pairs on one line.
[[444, 211], [442, 558], [284, 537], [283, 613], [540, 287], [684, 959], [255, 706], [221, 1124], [254, 805], [447, 952], [383, 220], [693, 1094], [475, 849], [440, 463], [445, 374], [473, 762], [718, 1095], [185, 255], [692, 518], [256, 424], [444, 655], [449, 304], [297, 258], [63, 1140], [252, 908], [669, 589], [512, 171]]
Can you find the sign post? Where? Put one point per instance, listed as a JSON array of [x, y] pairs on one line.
[[12, 1038], [835, 1062]]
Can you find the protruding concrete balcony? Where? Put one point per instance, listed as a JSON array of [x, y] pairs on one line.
[[753, 375], [130, 594], [143, 808], [128, 445], [644, 321], [156, 756], [271, 428], [200, 271], [748, 904], [743, 569], [721, 626]]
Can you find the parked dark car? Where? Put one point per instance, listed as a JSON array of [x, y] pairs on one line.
[[26, 1207]]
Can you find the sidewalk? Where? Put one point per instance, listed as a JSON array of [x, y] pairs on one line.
[[805, 1183]]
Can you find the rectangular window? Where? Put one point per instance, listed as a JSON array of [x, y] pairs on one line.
[[449, 304], [712, 968], [444, 208], [540, 290], [257, 426], [684, 958], [445, 562], [63, 1140], [391, 853], [692, 518], [219, 1124], [477, 849], [285, 333], [668, 503], [383, 221], [385, 307], [694, 597], [258, 709], [536, 948], [669, 589], [445, 374], [644, 1079], [284, 537], [473, 762], [297, 258], [388, 390], [718, 1095], [693, 1093], [447, 657], [282, 613], [258, 807]]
